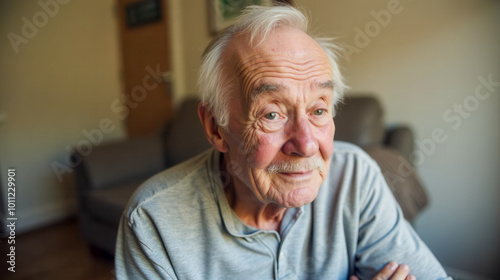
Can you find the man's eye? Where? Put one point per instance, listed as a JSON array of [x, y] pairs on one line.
[[319, 112], [271, 116]]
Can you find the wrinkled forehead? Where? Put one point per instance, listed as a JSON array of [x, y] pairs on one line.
[[285, 53]]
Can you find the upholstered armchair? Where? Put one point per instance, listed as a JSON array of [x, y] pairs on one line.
[[108, 177]]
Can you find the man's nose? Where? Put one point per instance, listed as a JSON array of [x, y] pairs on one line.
[[301, 141]]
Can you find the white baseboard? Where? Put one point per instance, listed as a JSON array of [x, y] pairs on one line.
[[459, 274], [45, 215]]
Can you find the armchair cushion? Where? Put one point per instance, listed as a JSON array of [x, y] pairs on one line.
[[107, 205]]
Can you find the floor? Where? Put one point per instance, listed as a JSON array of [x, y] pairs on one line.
[[55, 252]]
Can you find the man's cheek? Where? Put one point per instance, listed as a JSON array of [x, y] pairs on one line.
[[327, 137], [250, 138], [333, 129], [265, 152], [260, 158]]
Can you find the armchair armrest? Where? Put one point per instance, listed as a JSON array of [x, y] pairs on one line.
[[120, 161], [402, 179]]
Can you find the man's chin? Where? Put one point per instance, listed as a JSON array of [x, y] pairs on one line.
[[300, 197]]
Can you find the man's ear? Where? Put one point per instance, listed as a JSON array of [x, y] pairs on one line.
[[211, 128]]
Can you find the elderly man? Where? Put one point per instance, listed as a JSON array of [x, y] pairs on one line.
[[272, 200]]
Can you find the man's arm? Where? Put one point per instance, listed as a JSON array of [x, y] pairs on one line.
[[385, 236], [136, 256], [392, 271]]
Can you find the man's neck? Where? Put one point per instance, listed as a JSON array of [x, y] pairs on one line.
[[253, 212]]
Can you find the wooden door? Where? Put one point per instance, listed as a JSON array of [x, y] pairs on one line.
[[146, 64]]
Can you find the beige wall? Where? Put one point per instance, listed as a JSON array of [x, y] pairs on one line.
[[61, 82], [426, 61], [190, 19]]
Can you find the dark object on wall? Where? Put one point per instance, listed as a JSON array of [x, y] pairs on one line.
[[222, 13], [143, 12]]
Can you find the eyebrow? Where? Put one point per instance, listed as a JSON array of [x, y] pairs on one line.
[[328, 84], [267, 87], [263, 88]]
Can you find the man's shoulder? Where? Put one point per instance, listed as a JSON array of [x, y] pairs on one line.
[[350, 165], [346, 147], [347, 152], [165, 187]]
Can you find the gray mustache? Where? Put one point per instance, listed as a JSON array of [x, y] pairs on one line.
[[296, 166]]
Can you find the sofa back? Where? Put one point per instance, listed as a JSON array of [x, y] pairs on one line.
[[185, 136], [359, 120]]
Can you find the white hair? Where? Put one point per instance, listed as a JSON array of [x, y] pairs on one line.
[[258, 22]]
